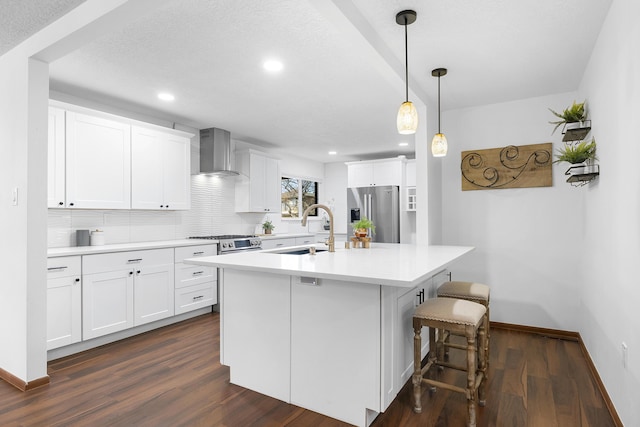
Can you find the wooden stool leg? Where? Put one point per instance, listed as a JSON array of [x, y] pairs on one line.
[[482, 335], [434, 355], [471, 377], [417, 366], [488, 345]]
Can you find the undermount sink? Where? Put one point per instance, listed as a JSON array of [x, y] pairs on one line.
[[299, 251]]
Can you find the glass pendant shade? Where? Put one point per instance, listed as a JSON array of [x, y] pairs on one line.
[[439, 145], [407, 118]]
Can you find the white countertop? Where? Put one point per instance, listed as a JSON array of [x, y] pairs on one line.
[[122, 247], [383, 264]]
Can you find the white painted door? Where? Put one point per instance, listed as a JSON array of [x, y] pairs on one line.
[[98, 162], [64, 310], [335, 348], [160, 170], [255, 330], [272, 192], [153, 293], [56, 159], [107, 303], [257, 196], [177, 173], [147, 177]]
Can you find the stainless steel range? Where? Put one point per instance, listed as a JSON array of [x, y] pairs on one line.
[[231, 243]]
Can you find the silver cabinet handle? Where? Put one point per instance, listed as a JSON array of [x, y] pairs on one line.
[[195, 273], [57, 268], [133, 261], [198, 297], [198, 253]]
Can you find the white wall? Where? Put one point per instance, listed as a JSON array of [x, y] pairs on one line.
[[23, 147], [335, 191], [611, 214], [529, 242]]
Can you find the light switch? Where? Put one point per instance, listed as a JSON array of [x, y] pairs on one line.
[[15, 197]]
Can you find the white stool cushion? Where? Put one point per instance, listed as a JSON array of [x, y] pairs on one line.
[[451, 310], [469, 290]]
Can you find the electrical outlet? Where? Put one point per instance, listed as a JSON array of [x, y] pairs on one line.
[[625, 354]]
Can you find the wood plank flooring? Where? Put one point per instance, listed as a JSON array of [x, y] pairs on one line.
[[172, 377]]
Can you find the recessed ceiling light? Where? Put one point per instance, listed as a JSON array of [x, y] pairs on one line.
[[403, 144], [333, 153], [166, 96], [273, 65]]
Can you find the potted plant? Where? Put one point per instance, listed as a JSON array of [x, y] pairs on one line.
[[576, 113], [583, 152], [581, 156], [267, 226], [361, 227]]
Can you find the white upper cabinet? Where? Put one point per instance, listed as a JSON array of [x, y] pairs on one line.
[[160, 170], [56, 159], [101, 161], [375, 173], [98, 162], [258, 188]]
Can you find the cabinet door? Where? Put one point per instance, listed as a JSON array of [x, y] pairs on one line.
[[387, 173], [177, 173], [272, 192], [257, 196], [98, 162], [64, 310], [329, 341], [107, 303], [146, 169], [360, 175], [154, 293], [56, 159]]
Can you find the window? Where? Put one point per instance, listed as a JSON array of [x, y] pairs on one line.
[[297, 192]]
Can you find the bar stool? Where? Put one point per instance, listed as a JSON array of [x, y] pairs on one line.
[[470, 291], [463, 318]]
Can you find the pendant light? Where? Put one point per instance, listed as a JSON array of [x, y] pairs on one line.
[[407, 120], [439, 142]]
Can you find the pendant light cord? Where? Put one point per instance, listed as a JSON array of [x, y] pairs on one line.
[[406, 61], [439, 103]]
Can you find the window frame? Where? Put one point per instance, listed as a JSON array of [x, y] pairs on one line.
[[300, 201]]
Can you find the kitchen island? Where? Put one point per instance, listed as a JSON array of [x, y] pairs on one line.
[[329, 332]]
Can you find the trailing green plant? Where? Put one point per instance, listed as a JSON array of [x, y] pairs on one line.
[[364, 223], [577, 153], [575, 113], [268, 225]]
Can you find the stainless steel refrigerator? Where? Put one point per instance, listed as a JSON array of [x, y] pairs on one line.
[[381, 205]]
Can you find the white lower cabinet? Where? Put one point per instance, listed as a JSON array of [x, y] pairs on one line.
[[64, 301], [305, 240], [195, 286], [126, 289]]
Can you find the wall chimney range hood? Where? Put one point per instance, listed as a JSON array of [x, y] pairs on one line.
[[215, 152]]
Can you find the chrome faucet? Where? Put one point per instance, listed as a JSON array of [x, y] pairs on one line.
[[331, 241]]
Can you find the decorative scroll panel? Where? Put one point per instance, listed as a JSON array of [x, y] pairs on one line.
[[509, 167]]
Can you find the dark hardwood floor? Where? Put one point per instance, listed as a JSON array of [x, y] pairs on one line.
[[172, 377]]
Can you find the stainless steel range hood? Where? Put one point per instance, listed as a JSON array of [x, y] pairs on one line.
[[215, 152]]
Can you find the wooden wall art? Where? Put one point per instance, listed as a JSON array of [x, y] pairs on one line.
[[509, 167]]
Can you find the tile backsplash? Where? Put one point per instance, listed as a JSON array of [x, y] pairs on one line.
[[212, 212]]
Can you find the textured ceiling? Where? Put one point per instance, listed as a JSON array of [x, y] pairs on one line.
[[344, 73], [19, 19]]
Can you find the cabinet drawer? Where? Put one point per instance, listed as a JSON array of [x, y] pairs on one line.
[[278, 243], [195, 251], [63, 267], [125, 260], [305, 240], [189, 274], [194, 297]]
